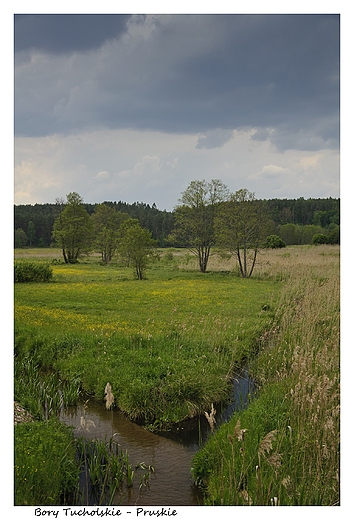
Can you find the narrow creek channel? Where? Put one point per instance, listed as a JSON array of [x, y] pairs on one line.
[[170, 454]]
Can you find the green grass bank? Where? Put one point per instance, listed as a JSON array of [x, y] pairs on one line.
[[284, 449]]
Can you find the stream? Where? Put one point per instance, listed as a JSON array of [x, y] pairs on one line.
[[169, 453]]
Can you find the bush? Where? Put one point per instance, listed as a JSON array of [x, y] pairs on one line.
[[25, 271], [274, 242], [319, 238]]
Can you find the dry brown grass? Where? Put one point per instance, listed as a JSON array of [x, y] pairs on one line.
[[271, 263]]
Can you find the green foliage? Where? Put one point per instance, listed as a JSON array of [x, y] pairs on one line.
[[136, 245], [45, 467], [26, 271], [241, 227], [108, 469], [72, 229], [195, 216], [106, 223], [334, 236], [294, 234], [288, 233], [282, 211], [319, 238], [21, 238], [274, 242], [238, 442], [42, 394], [152, 341], [31, 232], [284, 448]]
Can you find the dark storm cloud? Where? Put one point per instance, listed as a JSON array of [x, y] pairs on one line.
[[62, 33], [183, 73]]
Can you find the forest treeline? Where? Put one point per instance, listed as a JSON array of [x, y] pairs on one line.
[[294, 220]]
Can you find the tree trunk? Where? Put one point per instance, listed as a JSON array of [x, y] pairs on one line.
[[240, 263], [203, 255], [254, 261], [245, 259]]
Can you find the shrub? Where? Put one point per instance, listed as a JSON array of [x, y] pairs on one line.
[[274, 242], [319, 238], [25, 271]]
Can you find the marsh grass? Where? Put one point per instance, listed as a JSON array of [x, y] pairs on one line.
[[44, 395], [289, 454], [107, 472], [46, 472]]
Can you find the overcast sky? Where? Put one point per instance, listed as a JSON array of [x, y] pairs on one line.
[[135, 107]]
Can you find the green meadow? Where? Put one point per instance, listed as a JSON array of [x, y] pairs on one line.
[[167, 344]]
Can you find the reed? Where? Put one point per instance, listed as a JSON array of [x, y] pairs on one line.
[[211, 417], [290, 453], [43, 394], [107, 472], [108, 396]]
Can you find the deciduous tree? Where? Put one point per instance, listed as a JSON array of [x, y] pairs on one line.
[[137, 246], [106, 222], [195, 216], [31, 232], [242, 226], [73, 229]]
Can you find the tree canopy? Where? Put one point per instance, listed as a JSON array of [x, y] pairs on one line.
[[106, 224], [242, 227], [73, 228], [136, 245], [194, 218]]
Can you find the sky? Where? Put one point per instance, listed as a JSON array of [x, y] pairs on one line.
[[135, 107]]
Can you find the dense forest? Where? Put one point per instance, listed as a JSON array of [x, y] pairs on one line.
[[295, 220]]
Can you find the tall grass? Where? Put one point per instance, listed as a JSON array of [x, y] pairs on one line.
[[43, 394], [46, 472], [288, 453], [107, 472], [53, 468]]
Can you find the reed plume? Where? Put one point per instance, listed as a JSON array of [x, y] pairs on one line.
[[266, 443], [86, 424], [108, 396], [211, 417], [239, 432]]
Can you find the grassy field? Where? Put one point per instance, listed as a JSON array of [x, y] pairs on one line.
[[168, 345]]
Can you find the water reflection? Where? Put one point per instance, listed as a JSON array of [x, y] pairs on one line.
[[170, 453], [171, 484]]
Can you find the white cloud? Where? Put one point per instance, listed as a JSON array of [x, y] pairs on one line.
[[270, 171], [150, 167], [102, 175]]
